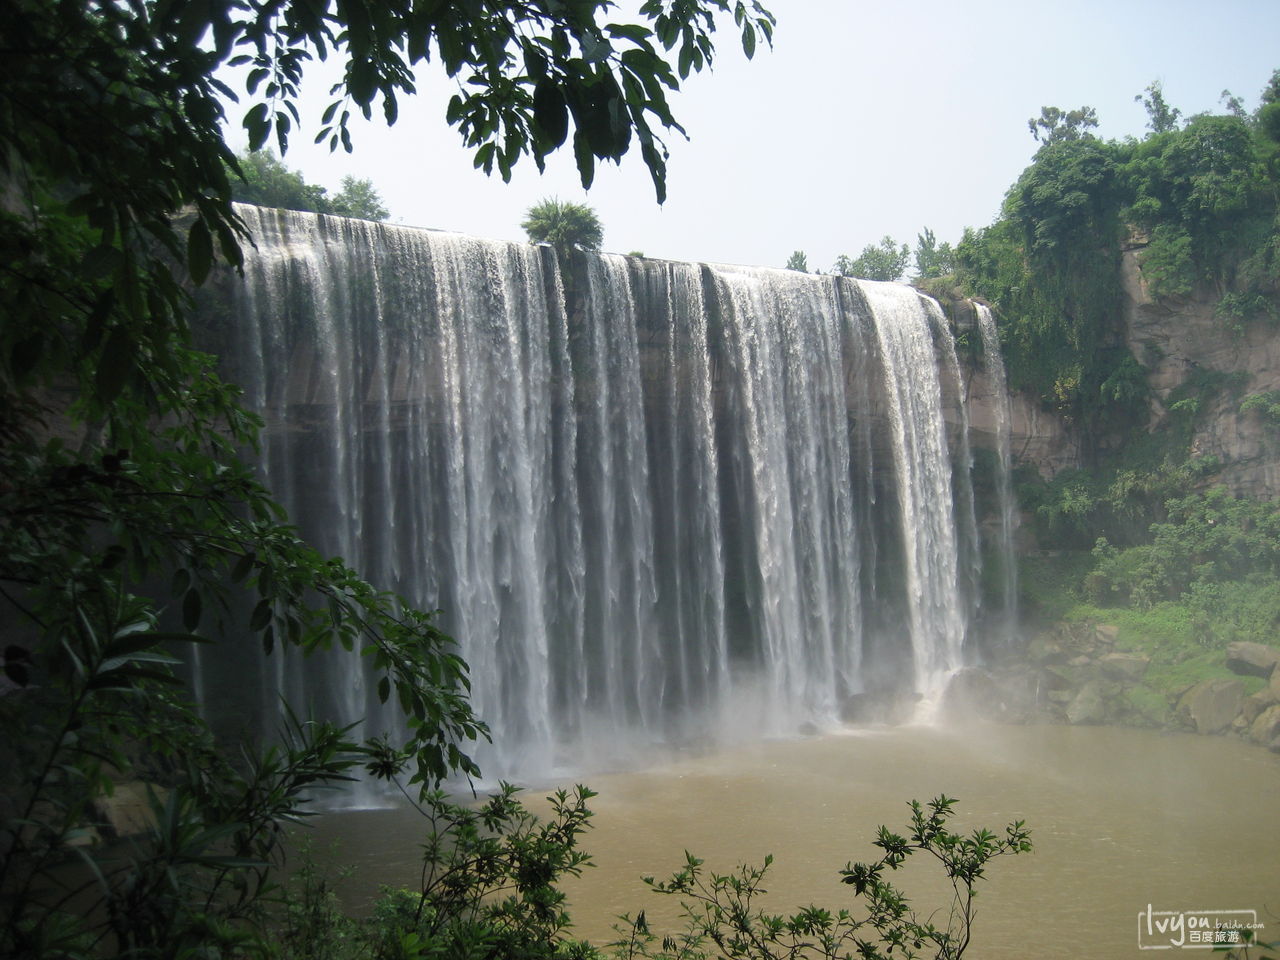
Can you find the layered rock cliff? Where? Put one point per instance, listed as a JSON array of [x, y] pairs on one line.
[[1177, 340], [1180, 342], [1039, 438]]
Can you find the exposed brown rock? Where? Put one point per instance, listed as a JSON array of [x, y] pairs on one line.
[[1266, 728], [127, 812], [1174, 341], [1251, 659], [1255, 704], [1089, 705], [1125, 666], [1212, 704]]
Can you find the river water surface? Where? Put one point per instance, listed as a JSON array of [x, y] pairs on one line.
[[1122, 820]]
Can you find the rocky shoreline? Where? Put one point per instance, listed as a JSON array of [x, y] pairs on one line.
[[1072, 673]]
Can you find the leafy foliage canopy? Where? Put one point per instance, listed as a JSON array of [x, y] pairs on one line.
[[1196, 199], [267, 182], [883, 261]]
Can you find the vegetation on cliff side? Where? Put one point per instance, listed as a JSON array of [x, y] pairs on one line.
[[1198, 200], [1150, 543]]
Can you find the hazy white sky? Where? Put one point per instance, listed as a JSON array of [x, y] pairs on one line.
[[866, 119]]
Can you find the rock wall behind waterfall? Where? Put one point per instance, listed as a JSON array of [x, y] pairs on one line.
[[654, 501]]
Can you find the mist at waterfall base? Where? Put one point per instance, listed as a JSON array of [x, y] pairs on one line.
[[659, 504]]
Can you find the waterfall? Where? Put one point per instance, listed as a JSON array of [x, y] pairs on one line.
[[931, 569], [656, 502], [1007, 510], [790, 447], [970, 543]]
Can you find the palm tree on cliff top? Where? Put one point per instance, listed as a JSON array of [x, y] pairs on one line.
[[564, 225]]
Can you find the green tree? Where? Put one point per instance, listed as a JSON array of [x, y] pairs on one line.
[[563, 224], [1051, 265], [932, 259], [883, 261], [798, 261], [1055, 125], [358, 198], [265, 180], [1232, 104], [1205, 180], [1066, 201], [1161, 118]]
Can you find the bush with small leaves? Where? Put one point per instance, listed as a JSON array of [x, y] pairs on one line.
[[722, 921]]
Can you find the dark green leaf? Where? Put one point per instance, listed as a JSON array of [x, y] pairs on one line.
[[258, 126], [635, 32], [199, 252], [115, 363], [550, 113], [261, 615], [131, 644], [266, 582], [243, 567], [125, 678], [586, 159]]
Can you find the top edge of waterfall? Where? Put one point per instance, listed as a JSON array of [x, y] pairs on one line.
[[712, 264], [388, 225]]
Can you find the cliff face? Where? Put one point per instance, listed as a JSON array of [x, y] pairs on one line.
[[1180, 340], [1037, 437]]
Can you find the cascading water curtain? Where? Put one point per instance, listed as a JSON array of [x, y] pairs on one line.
[[679, 502], [934, 603], [1007, 506]]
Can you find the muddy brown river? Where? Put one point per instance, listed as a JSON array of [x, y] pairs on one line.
[[1141, 838]]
